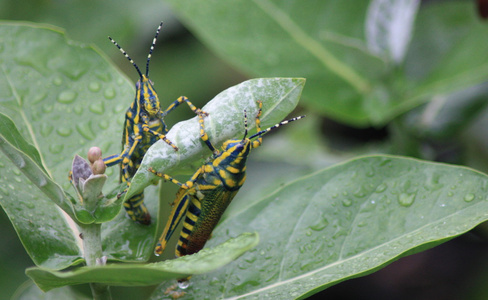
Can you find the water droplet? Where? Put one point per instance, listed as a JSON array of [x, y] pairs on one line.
[[16, 172], [85, 130], [469, 197], [47, 108], [94, 86], [67, 96], [308, 233], [346, 202], [104, 124], [406, 199], [46, 129], [64, 131], [56, 148], [320, 225], [97, 108], [78, 110], [362, 224], [183, 284], [381, 188], [4, 191], [57, 80], [119, 108], [109, 93], [450, 194], [1, 164]]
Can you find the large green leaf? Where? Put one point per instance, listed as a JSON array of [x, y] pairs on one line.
[[64, 97], [139, 274], [343, 222], [225, 121], [30, 291], [324, 41]]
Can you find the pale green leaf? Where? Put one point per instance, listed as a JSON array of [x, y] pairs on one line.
[[343, 222]]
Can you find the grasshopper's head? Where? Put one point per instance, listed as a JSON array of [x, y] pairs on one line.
[[237, 148], [148, 98], [145, 94]]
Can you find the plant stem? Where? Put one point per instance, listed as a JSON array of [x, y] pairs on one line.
[[92, 246]]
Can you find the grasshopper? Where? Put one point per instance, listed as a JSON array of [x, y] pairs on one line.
[[210, 190], [143, 126]]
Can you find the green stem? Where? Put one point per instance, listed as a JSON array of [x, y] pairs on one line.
[[92, 246]]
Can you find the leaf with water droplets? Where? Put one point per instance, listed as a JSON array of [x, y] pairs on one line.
[[55, 91], [205, 261], [319, 230]]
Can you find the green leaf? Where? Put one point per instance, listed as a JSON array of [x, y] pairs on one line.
[[30, 291], [343, 222], [225, 121], [26, 158], [324, 41], [137, 274], [47, 234], [64, 97]]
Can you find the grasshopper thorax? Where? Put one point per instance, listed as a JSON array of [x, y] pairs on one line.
[[148, 98]]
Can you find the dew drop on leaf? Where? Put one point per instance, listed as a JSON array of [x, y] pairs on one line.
[[64, 131], [184, 284], [97, 108], [406, 199], [57, 81], [109, 93], [4, 191], [346, 202], [103, 124], [85, 130], [67, 97], [119, 108], [469, 197], [320, 225], [78, 109], [47, 108], [56, 148], [381, 188], [94, 86]]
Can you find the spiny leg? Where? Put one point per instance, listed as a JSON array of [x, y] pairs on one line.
[[145, 127], [204, 135], [180, 100]]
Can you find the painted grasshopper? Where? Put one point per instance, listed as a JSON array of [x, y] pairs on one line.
[[210, 190], [143, 126]]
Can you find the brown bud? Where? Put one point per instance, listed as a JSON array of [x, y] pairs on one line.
[[94, 153], [98, 167]]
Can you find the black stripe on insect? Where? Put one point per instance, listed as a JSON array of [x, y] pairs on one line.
[[204, 198], [143, 126]]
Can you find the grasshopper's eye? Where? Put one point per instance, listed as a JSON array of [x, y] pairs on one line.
[[138, 84]]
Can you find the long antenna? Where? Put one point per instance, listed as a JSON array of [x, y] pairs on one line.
[[262, 132], [152, 48], [127, 55], [245, 125]]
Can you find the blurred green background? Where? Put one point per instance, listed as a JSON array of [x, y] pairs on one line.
[[182, 65]]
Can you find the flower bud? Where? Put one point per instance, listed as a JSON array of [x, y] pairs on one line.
[[94, 153], [99, 167]]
